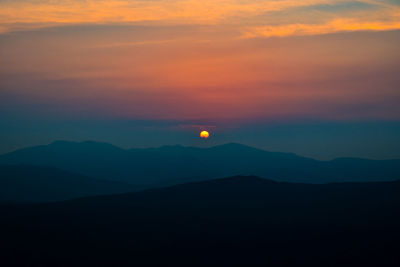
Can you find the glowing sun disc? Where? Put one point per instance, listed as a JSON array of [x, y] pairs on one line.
[[204, 134]]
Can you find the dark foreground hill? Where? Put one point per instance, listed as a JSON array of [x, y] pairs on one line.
[[22, 183], [233, 221], [177, 164]]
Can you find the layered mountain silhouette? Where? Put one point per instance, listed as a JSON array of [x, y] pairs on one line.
[[23, 183], [237, 220], [170, 165]]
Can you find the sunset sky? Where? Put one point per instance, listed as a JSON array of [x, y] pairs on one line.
[[320, 78]]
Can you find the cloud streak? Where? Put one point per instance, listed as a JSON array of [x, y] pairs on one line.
[[168, 67], [343, 15], [334, 26]]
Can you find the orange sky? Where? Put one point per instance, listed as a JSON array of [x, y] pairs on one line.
[[325, 16], [221, 59]]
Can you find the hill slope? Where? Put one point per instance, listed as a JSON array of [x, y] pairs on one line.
[[177, 164], [22, 183], [238, 220]]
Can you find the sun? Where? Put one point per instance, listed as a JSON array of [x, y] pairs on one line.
[[204, 134]]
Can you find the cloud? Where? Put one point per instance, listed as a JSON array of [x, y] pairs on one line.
[[336, 25], [205, 72], [28, 15]]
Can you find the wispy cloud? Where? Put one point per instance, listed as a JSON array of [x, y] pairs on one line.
[[336, 25], [26, 14]]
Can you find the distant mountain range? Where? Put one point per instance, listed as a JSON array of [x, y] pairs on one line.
[[223, 222], [22, 183], [170, 165]]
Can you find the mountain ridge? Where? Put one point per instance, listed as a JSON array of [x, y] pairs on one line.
[[170, 165], [244, 182], [28, 183], [228, 221]]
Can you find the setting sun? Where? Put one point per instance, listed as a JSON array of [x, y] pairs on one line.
[[204, 134]]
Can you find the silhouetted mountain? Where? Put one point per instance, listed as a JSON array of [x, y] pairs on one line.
[[177, 164], [238, 220], [22, 183]]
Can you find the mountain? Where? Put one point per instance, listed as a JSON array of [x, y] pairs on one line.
[[170, 165], [231, 221], [23, 183]]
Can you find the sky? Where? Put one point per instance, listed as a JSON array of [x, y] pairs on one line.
[[314, 77]]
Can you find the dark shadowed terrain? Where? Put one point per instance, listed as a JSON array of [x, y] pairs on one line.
[[237, 220], [24, 183]]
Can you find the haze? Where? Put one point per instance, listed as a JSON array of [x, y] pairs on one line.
[[319, 78]]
